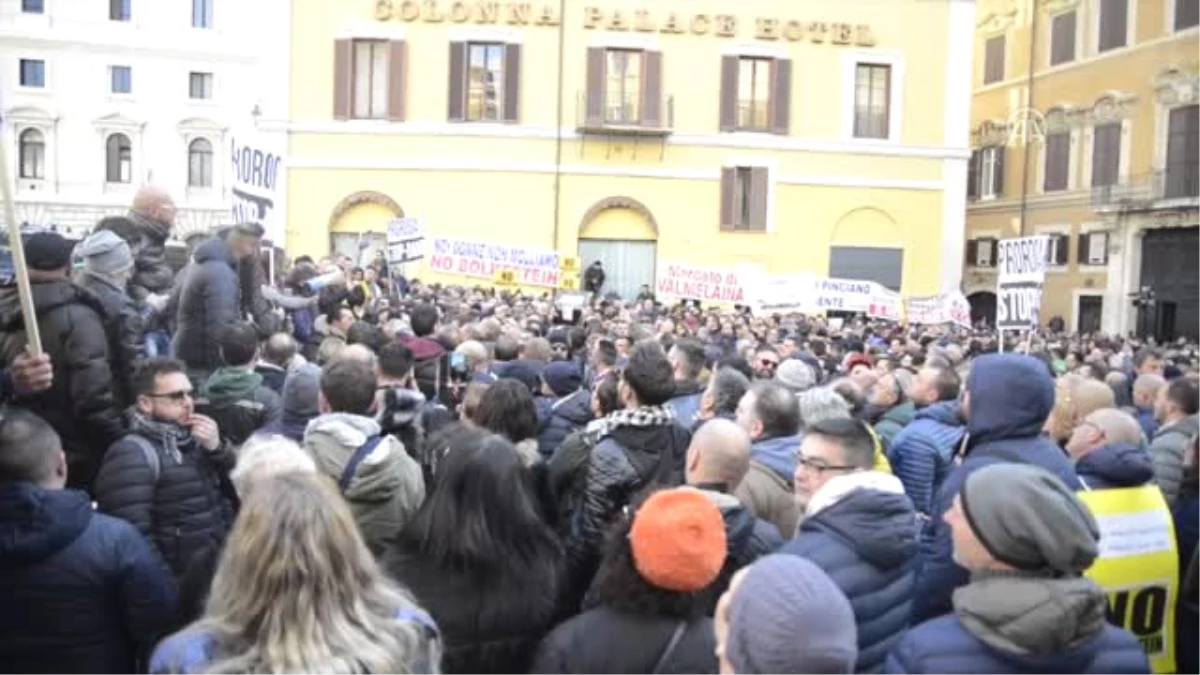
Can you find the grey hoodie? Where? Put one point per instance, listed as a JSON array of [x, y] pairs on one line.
[[387, 488]]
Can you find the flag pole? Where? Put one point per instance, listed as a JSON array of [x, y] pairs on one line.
[[20, 271]]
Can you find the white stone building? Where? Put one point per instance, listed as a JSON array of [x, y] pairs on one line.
[[100, 96]]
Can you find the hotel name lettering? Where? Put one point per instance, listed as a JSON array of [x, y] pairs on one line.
[[638, 21]]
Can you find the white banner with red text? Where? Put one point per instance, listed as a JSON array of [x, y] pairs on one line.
[[482, 260]]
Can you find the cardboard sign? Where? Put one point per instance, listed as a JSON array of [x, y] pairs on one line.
[[406, 241], [258, 170], [1022, 266], [481, 260]]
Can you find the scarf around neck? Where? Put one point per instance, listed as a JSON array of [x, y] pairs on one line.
[[170, 435], [645, 416]]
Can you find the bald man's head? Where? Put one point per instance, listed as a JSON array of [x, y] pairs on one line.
[[154, 203], [1100, 428], [1092, 395], [1145, 389], [356, 352], [719, 453]]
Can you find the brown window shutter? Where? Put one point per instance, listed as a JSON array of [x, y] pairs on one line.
[[512, 83], [397, 77], [343, 78], [972, 245], [728, 177], [652, 98], [594, 98], [1084, 244], [781, 96], [759, 187], [729, 93], [456, 100]]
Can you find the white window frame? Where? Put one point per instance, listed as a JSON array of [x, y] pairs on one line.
[[1122, 161], [985, 39], [978, 262], [1080, 35], [1094, 27], [1169, 19], [1078, 293], [772, 167], [212, 87], [135, 130], [1072, 165], [47, 79], [111, 72], [197, 128], [18, 121], [1060, 229], [210, 15], [851, 59], [1094, 228], [987, 190]]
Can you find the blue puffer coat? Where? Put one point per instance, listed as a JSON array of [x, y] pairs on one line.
[[867, 543], [1115, 466], [561, 418], [1011, 397], [923, 453], [686, 403]]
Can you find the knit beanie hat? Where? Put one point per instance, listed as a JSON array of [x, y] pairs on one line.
[[563, 377], [787, 616], [106, 253], [858, 360], [300, 391], [47, 251], [1027, 518], [796, 375], [678, 540]]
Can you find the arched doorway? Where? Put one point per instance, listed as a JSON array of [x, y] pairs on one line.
[[358, 225], [867, 244], [983, 307], [622, 234]]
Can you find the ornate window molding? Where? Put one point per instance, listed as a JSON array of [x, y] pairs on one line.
[[1063, 118], [1053, 7], [990, 133], [1002, 17], [1175, 86], [1113, 106], [19, 121]]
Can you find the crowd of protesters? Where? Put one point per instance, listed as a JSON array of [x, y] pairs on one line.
[[350, 471]]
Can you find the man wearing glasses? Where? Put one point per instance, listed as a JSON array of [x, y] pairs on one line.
[[166, 475]]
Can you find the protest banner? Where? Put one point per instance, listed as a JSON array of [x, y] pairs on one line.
[[258, 172], [481, 260], [782, 294], [1138, 567], [406, 241], [843, 295], [952, 308], [707, 284], [885, 304], [1022, 266]]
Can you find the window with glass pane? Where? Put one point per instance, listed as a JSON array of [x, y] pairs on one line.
[[1183, 152], [119, 10], [754, 94], [623, 86], [1058, 161], [993, 59], [122, 79], [1106, 154], [872, 89], [983, 253], [200, 163], [200, 85], [742, 194], [989, 172], [1062, 38], [370, 79], [1187, 14], [118, 156], [202, 13], [485, 82], [32, 151], [33, 73], [33, 6], [1114, 18]]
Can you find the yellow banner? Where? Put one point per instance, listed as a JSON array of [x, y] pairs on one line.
[[1138, 567]]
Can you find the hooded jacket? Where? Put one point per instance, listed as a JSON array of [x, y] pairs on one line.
[[923, 453], [386, 489], [867, 543], [1014, 624], [559, 418], [147, 241], [239, 403], [1119, 465], [605, 640], [747, 539], [81, 592], [123, 325], [686, 402], [1167, 449], [429, 365], [767, 488], [81, 404], [1011, 397], [893, 421], [209, 293]]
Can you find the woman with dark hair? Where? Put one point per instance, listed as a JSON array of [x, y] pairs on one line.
[[507, 408], [479, 557], [645, 612]]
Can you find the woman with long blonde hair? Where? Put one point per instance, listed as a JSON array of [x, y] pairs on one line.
[[298, 591]]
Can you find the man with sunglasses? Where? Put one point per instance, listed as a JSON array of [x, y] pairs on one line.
[[166, 476]]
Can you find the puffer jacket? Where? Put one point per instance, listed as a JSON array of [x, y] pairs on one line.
[[209, 300], [386, 489], [767, 488], [1011, 397], [686, 402], [239, 402], [1167, 449], [922, 454], [1013, 624], [81, 404], [747, 539], [81, 592], [1145, 418], [185, 512], [147, 241], [605, 640], [1118, 465], [124, 327], [867, 544], [560, 418], [896, 418]]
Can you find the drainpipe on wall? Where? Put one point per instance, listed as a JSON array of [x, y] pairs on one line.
[[1033, 37], [558, 135]]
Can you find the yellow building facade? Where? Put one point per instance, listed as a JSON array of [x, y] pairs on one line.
[[1084, 126], [824, 137]]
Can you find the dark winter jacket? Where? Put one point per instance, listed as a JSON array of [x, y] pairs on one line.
[[489, 624], [1187, 611], [560, 418], [1011, 397], [430, 366], [923, 453], [209, 300], [593, 278], [747, 539], [1145, 418], [767, 488], [147, 241], [239, 403], [604, 640], [273, 376], [184, 512], [686, 402], [81, 592], [81, 404], [124, 327], [896, 418], [1115, 466], [1021, 625], [867, 544]]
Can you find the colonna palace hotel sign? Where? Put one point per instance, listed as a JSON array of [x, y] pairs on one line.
[[488, 12]]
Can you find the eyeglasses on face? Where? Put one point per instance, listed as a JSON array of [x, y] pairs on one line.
[[817, 465], [176, 396]]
